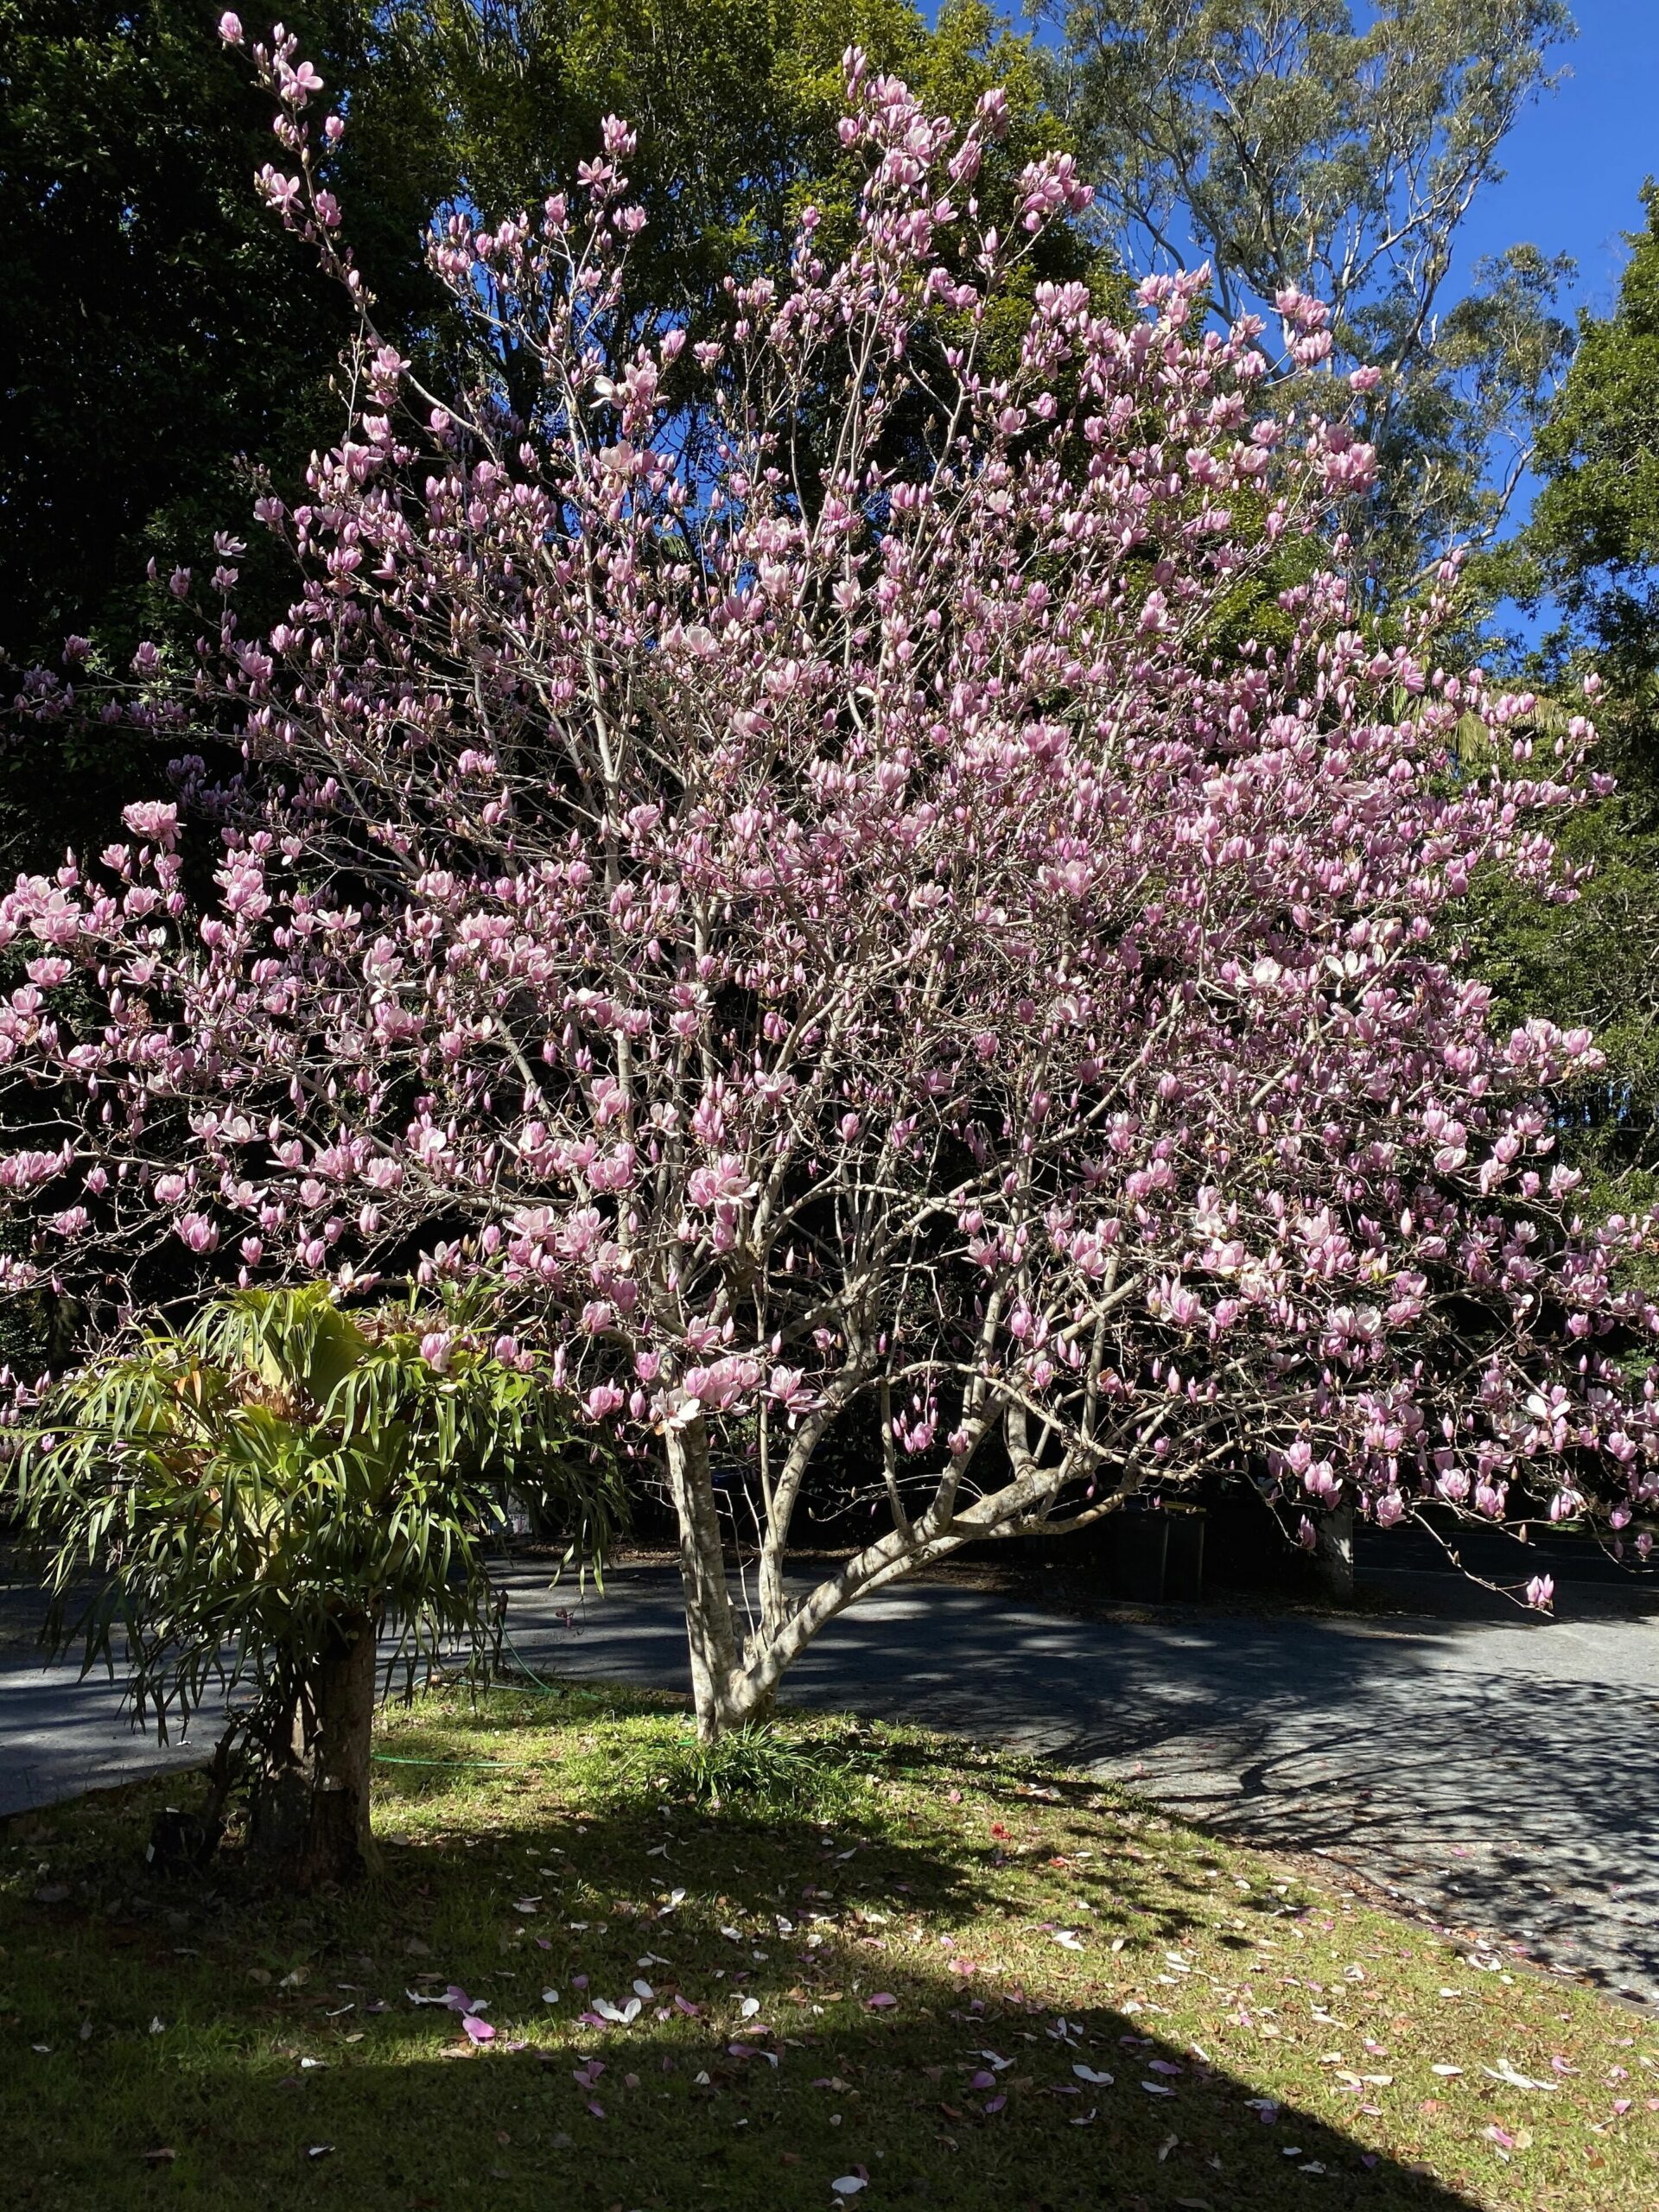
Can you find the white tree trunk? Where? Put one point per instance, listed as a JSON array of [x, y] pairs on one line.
[[711, 1631]]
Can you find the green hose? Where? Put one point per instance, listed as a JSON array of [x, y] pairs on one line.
[[393, 1758], [547, 1689]]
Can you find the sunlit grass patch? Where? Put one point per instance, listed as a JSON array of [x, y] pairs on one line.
[[838, 1955]]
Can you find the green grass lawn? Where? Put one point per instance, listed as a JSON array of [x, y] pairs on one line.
[[905, 1966]]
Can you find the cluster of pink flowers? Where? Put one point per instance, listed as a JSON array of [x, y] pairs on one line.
[[859, 926]]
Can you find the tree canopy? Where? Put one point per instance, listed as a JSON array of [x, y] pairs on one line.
[[815, 928], [153, 325], [1594, 528], [1590, 553]]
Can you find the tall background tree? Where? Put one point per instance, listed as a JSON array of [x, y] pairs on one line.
[[141, 347], [1591, 552], [1305, 143], [157, 334]]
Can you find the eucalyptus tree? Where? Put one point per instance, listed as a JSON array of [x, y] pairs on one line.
[[1307, 145]]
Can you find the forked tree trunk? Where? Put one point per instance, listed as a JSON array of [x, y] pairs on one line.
[[733, 1683], [310, 1819], [733, 1680], [720, 1693]]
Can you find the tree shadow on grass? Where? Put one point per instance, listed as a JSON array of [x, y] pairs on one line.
[[776, 1948], [1484, 1772], [674, 2119]]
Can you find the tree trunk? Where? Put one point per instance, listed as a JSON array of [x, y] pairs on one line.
[[719, 1690], [731, 1684], [1334, 1553], [311, 1797]]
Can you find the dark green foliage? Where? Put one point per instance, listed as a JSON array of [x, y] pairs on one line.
[[155, 324], [734, 101], [1593, 544], [1595, 524], [158, 330], [1595, 962]]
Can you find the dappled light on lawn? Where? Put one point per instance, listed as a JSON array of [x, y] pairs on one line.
[[949, 1976]]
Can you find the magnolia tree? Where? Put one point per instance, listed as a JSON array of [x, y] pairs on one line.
[[803, 887]]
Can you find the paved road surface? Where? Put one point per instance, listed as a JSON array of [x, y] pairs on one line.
[[1502, 1772], [60, 1739]]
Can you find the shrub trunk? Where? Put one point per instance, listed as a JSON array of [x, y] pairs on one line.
[[310, 1817]]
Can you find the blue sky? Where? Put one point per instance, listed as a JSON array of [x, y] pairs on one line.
[[1575, 162], [1577, 159]]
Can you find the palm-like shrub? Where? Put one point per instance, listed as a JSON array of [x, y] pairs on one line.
[[276, 1498]]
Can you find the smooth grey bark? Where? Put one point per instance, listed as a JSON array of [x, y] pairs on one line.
[[735, 1680], [732, 1683], [710, 1629]]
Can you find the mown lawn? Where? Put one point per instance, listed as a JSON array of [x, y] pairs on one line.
[[901, 1971]]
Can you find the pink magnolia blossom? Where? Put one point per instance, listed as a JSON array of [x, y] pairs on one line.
[[900, 964], [151, 818]]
